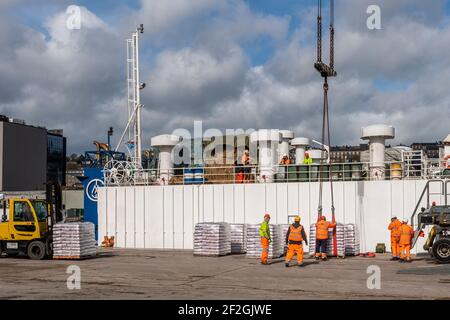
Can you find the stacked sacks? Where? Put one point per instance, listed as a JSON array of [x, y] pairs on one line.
[[74, 240], [284, 230], [312, 239], [212, 239], [254, 248], [340, 240], [352, 245], [238, 238]]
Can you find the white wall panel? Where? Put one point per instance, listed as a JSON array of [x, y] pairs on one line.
[[102, 216], [178, 213], [239, 204], [111, 213], [164, 217], [219, 206], [130, 217], [169, 221], [270, 199], [208, 202], [121, 225], [293, 200], [140, 218], [155, 217], [281, 213], [254, 202], [188, 220], [228, 202]]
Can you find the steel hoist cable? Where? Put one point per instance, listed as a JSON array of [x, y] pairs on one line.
[[326, 71]]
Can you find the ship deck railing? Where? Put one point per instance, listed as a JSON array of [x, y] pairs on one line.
[[231, 174]]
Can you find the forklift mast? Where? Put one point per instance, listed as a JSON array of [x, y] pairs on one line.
[[54, 200]]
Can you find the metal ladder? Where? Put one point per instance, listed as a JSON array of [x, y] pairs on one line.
[[426, 192]]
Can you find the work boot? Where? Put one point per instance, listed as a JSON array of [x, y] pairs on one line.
[[301, 265], [317, 257], [286, 265], [394, 258], [324, 258]]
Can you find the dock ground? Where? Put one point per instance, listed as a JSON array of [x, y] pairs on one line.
[[155, 274]]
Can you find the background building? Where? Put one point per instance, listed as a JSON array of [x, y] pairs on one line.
[[56, 157], [30, 156], [23, 157], [431, 150], [342, 154]]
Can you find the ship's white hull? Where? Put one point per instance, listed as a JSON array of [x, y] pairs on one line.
[[159, 217]]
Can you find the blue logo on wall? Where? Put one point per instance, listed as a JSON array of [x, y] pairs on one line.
[[92, 189]]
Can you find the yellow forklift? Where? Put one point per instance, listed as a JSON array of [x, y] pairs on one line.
[[26, 223], [438, 217]]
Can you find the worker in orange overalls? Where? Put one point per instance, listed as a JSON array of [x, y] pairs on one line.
[[285, 160], [264, 232], [394, 227], [294, 238], [406, 235], [322, 227], [246, 163]]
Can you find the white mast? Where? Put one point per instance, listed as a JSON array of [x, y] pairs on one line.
[[134, 98]]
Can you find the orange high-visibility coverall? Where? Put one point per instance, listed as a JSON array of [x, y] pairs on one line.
[[265, 250], [322, 227], [406, 234], [295, 240], [394, 227]]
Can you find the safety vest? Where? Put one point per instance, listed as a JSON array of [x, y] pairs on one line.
[[395, 228], [406, 233], [295, 234], [264, 230], [322, 230], [307, 161]]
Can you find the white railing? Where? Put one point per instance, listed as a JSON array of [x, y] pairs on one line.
[[213, 174]]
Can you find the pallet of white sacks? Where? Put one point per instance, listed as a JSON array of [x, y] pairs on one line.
[[276, 247], [212, 239]]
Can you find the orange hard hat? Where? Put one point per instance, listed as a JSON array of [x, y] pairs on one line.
[[267, 216]]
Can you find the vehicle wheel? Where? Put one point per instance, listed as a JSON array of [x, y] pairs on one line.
[[441, 250], [36, 250]]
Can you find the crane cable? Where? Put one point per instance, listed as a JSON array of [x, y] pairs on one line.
[[326, 130]]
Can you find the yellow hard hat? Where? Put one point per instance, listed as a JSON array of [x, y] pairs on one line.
[[297, 219]]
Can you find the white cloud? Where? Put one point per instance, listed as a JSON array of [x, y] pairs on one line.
[[196, 68]]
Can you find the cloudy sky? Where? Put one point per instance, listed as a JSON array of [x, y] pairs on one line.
[[230, 63]]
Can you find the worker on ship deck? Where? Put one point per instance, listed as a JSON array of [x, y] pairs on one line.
[[307, 159]]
